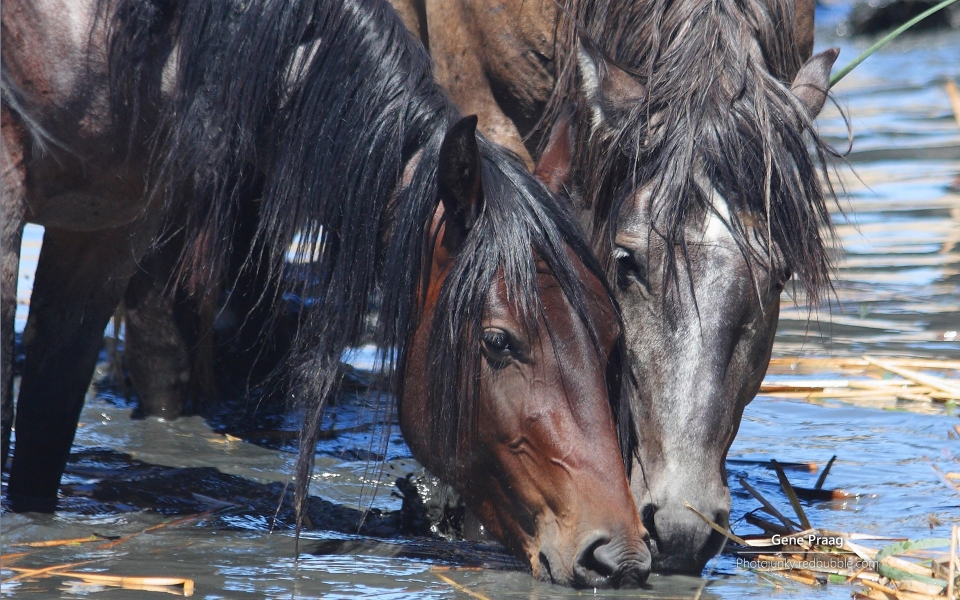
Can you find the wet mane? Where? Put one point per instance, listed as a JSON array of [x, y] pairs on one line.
[[715, 75], [331, 130]]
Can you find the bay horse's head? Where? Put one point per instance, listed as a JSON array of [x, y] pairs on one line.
[[691, 162], [511, 384]]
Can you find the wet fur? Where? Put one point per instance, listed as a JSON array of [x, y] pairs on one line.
[[717, 76], [680, 101], [243, 94]]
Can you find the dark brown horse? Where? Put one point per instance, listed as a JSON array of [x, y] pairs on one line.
[[121, 115], [681, 130]]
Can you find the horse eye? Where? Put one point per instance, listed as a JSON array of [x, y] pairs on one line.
[[628, 268], [497, 341]]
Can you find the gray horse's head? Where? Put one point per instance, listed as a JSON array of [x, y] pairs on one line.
[[701, 178]]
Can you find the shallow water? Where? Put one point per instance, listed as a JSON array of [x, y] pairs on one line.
[[898, 293]]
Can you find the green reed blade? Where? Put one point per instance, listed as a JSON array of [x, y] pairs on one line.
[[887, 39]]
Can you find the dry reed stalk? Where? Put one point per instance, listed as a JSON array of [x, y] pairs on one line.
[[954, 94], [953, 560], [872, 595], [142, 588], [133, 583], [856, 575], [459, 587], [904, 595], [30, 573], [14, 557], [943, 476], [880, 588], [921, 378], [919, 587], [792, 364], [52, 543], [798, 577], [855, 389], [914, 397], [836, 393], [205, 513], [886, 384], [725, 532], [905, 565], [866, 554]]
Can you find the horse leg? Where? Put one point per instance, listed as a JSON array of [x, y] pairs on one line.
[[11, 222], [156, 351], [81, 277]]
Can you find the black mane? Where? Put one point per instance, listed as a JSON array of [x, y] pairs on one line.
[[330, 100], [716, 74]]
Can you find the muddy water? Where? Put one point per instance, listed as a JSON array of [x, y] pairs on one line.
[[898, 294]]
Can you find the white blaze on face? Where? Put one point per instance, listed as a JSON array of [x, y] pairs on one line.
[[718, 219]]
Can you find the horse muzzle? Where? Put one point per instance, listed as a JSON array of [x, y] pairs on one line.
[[680, 541], [602, 560]]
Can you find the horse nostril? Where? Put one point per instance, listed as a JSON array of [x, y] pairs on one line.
[[649, 523], [598, 556], [597, 560], [545, 568]]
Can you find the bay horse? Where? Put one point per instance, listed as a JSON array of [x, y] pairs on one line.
[[682, 131], [122, 116]]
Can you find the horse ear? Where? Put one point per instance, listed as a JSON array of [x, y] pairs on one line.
[[604, 83], [458, 181], [554, 166], [812, 82]]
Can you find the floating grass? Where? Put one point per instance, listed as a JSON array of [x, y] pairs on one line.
[[899, 569], [868, 380], [917, 377]]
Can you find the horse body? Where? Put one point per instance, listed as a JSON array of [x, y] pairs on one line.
[[159, 112], [65, 173], [495, 58], [680, 130]]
